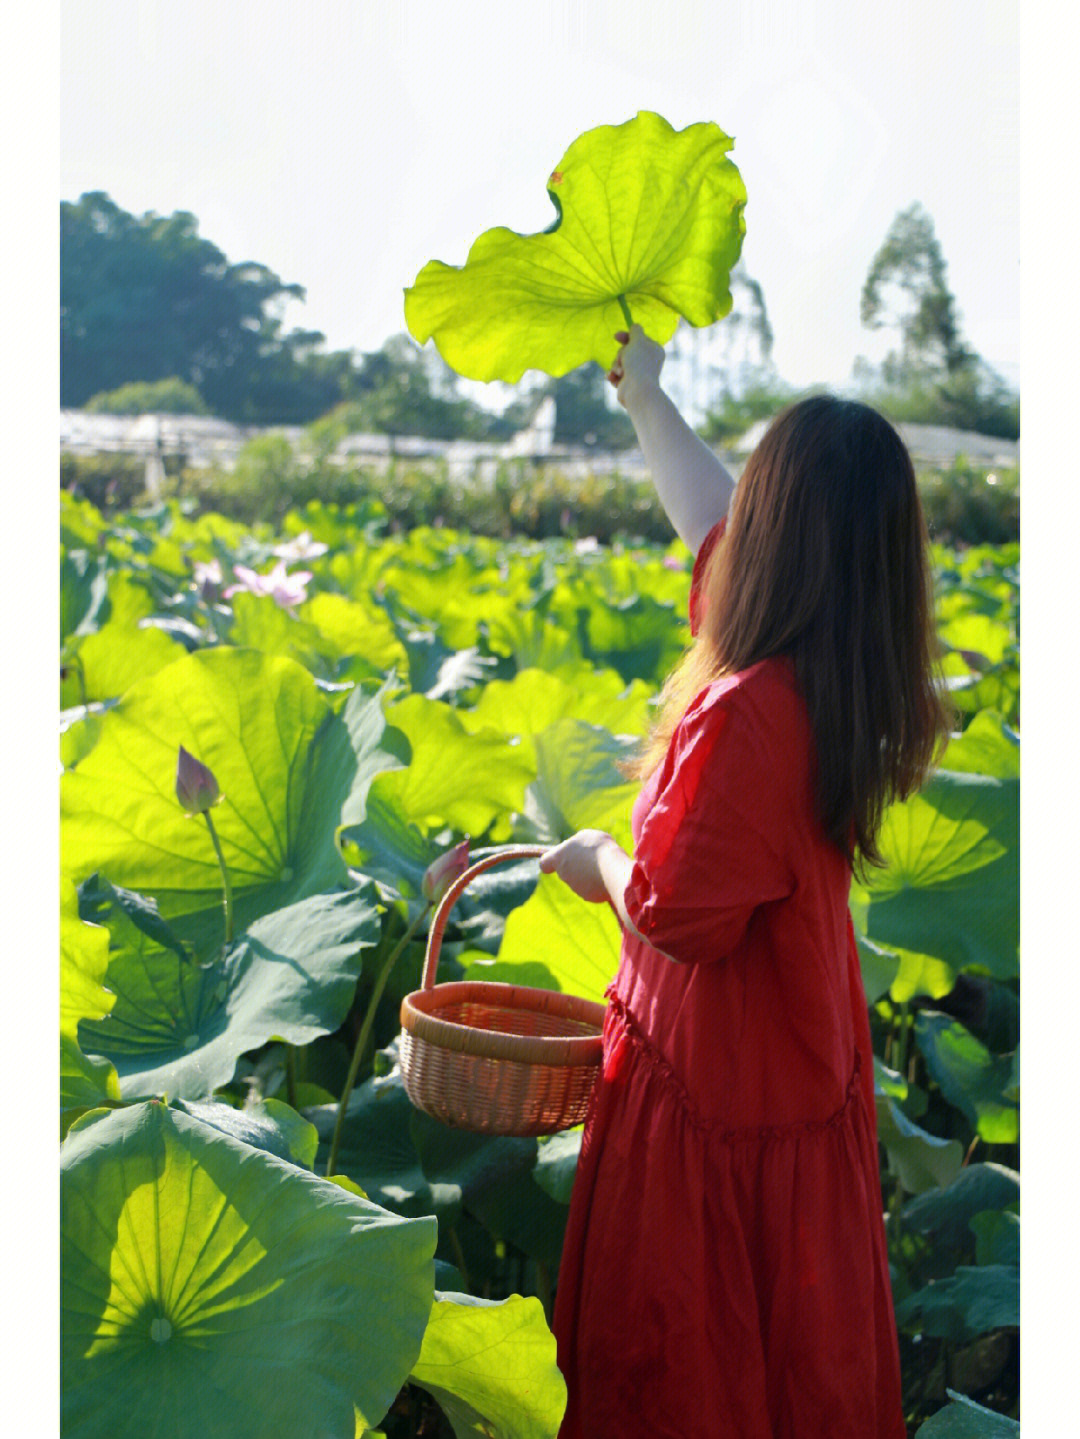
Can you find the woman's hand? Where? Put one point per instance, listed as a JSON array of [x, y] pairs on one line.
[[589, 862], [637, 365]]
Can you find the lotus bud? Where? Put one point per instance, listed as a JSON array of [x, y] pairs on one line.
[[442, 872], [196, 787]]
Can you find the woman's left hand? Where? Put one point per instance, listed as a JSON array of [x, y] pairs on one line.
[[577, 862]]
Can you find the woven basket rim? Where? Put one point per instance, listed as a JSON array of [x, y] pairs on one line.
[[418, 1019]]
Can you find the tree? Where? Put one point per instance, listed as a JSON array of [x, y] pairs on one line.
[[905, 289], [147, 298]]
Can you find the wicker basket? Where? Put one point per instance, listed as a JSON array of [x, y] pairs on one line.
[[497, 1058]]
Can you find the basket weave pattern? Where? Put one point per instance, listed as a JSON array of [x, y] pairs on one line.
[[497, 1058]]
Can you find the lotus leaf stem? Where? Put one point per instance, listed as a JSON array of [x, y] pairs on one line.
[[365, 1032], [228, 898], [625, 308]]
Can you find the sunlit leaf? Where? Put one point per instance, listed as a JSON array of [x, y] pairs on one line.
[[644, 212], [491, 1367], [212, 1289]]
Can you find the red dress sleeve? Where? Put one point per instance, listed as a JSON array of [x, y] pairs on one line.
[[697, 579], [703, 861]]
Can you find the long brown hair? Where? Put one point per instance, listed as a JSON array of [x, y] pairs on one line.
[[824, 560]]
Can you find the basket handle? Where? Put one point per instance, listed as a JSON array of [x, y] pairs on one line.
[[442, 914]]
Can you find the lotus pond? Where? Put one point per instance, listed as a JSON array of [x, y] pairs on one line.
[[260, 1235]]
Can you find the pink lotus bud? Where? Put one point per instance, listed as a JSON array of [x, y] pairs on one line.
[[442, 872], [196, 787]]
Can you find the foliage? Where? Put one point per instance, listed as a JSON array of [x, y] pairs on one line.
[[648, 219], [732, 414], [148, 299], [171, 396], [910, 261], [436, 686]]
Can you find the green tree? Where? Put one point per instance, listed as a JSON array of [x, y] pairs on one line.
[[906, 290], [146, 298], [149, 397]]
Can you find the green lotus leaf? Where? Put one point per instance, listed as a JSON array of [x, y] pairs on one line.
[[491, 1367], [453, 778], [578, 785], [920, 1160], [355, 627], [949, 898], [962, 1418], [943, 1216], [536, 699], [289, 768], [997, 1237], [268, 1124], [378, 1152], [86, 1081], [116, 657], [647, 216], [970, 1302], [211, 1289], [969, 1076], [556, 1163], [558, 934], [178, 1027], [987, 746]]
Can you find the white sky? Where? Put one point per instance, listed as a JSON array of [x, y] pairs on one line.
[[345, 144]]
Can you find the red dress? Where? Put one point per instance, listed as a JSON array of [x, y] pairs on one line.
[[724, 1269]]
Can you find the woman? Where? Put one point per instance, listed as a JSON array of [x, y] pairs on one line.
[[724, 1269]]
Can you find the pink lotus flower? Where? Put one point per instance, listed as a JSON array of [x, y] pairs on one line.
[[442, 872], [285, 589], [303, 547], [196, 788], [208, 579]]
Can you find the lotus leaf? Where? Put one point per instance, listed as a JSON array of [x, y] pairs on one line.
[[211, 1289], [491, 1367], [648, 218]]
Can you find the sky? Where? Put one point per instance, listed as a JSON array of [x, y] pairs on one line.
[[346, 144]]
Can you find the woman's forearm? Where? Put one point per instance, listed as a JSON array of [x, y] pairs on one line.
[[694, 487]]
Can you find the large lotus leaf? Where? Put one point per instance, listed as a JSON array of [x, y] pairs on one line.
[[178, 1027], [355, 627], [920, 1160], [970, 1302], [536, 699], [530, 637], [578, 785], [116, 657], [211, 1289], [987, 746], [86, 1081], [289, 768], [943, 1216], [969, 1076], [556, 941], [949, 899], [84, 960], [491, 1367], [453, 778], [962, 1418], [646, 215], [259, 623], [639, 637]]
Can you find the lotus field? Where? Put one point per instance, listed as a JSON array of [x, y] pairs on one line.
[[260, 1235]]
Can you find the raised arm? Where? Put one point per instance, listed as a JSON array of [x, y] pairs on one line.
[[694, 487]]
